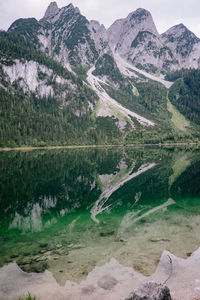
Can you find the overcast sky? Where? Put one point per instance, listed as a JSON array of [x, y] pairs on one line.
[[166, 13]]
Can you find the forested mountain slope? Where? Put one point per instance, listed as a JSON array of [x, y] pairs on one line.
[[185, 94]]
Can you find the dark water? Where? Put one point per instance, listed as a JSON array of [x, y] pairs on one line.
[[70, 210]]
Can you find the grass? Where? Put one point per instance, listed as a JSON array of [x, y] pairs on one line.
[[28, 297], [95, 111], [110, 109], [178, 120], [180, 165]]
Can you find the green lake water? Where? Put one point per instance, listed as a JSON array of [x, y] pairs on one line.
[[71, 210]]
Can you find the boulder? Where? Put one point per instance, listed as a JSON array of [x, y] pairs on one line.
[[107, 282], [151, 291]]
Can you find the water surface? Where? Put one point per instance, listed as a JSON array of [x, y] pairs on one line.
[[73, 209]]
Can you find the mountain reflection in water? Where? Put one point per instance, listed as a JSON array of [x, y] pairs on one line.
[[75, 209]]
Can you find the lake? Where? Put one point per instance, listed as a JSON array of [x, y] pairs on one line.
[[73, 209]]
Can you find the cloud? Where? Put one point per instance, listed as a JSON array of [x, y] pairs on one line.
[[166, 13]]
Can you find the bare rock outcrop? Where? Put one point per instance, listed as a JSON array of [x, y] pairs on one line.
[[151, 291]]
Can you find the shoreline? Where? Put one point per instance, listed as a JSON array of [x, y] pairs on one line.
[[111, 281], [25, 148]]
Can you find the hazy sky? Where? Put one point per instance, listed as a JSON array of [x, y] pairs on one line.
[[166, 13]]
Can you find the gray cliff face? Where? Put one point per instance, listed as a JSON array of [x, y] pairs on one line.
[[33, 77], [51, 10], [70, 38], [137, 39], [124, 31], [100, 36], [147, 51], [184, 44], [66, 37]]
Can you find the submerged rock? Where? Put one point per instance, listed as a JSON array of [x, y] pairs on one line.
[[34, 267], [77, 246], [42, 258], [151, 291], [155, 240], [88, 290], [107, 282], [43, 245], [104, 234], [12, 256]]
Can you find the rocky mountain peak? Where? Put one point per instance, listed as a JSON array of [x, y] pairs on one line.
[[100, 36], [184, 44], [123, 32], [139, 14], [70, 7], [180, 35], [67, 36], [53, 13], [179, 31], [52, 10], [181, 25], [174, 29], [97, 28], [142, 11], [142, 20]]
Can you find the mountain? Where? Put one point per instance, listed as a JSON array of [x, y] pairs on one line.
[[136, 39], [66, 80], [68, 37], [128, 28], [184, 44], [52, 10]]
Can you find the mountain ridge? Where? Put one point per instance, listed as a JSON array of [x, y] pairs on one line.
[[135, 37], [105, 85]]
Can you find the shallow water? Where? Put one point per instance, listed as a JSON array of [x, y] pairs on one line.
[[70, 210]]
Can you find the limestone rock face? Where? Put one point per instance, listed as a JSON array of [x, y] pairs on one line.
[[151, 291], [100, 37], [184, 44], [124, 31], [65, 36], [137, 39], [51, 10], [34, 77]]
